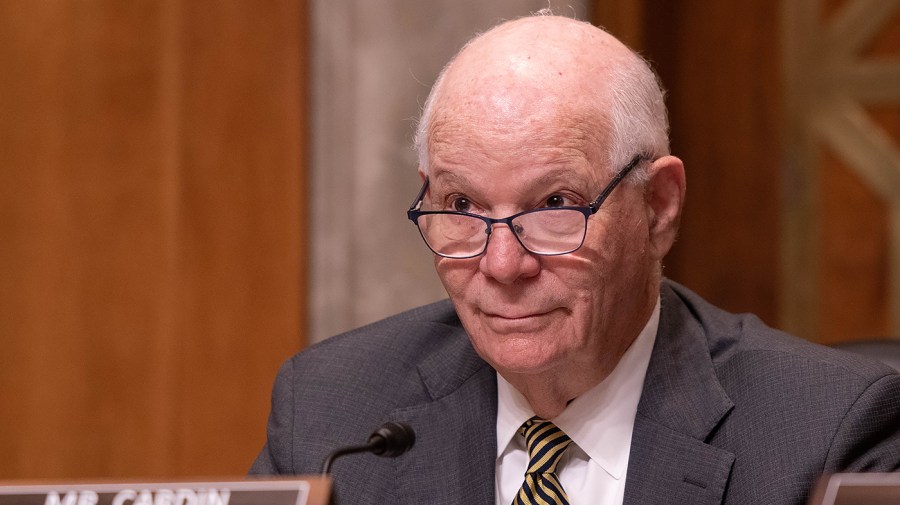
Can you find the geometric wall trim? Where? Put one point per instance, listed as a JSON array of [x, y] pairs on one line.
[[830, 80]]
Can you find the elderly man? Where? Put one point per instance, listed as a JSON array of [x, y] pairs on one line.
[[564, 369]]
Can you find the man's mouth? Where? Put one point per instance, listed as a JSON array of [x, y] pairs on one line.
[[508, 322]]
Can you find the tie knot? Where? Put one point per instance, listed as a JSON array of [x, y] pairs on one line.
[[546, 444]]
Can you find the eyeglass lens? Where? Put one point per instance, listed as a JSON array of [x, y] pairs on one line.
[[544, 231]]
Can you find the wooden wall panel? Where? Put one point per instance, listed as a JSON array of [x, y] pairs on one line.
[[243, 136], [625, 18], [855, 256], [151, 232], [725, 104], [80, 306]]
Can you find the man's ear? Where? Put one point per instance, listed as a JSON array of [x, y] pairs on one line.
[[664, 197], [422, 174]]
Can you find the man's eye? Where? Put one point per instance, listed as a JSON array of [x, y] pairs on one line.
[[461, 205], [555, 201]]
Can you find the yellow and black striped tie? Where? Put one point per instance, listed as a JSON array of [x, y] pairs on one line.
[[546, 444]]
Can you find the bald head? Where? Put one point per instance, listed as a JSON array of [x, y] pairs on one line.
[[524, 70], [531, 121]]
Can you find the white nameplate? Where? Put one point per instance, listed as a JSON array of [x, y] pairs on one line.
[[858, 489], [299, 491]]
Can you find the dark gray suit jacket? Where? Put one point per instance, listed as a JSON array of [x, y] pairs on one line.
[[732, 412]]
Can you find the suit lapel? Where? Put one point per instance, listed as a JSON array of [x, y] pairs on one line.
[[681, 404], [454, 455]]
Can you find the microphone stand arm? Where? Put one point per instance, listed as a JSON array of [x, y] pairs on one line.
[[372, 446]]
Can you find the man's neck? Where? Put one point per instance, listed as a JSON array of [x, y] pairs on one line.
[[549, 393], [547, 401]]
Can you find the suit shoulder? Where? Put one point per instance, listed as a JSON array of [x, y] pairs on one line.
[[744, 341], [412, 324], [391, 345]]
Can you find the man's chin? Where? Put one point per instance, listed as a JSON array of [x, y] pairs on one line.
[[519, 356]]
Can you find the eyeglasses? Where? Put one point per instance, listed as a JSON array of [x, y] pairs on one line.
[[548, 231]]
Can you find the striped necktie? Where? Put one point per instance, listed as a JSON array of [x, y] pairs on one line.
[[546, 444]]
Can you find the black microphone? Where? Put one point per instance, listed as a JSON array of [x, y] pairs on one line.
[[390, 440]]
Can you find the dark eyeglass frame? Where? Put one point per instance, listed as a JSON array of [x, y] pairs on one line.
[[413, 214]]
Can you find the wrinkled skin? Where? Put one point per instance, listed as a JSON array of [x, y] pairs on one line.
[[519, 126]]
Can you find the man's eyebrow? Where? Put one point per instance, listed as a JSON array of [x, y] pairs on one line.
[[446, 177], [569, 177], [564, 174]]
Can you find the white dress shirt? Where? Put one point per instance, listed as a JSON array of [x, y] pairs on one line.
[[599, 422]]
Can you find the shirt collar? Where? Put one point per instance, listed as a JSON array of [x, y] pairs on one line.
[[601, 420]]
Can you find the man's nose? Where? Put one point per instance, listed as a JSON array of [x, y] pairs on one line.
[[505, 260]]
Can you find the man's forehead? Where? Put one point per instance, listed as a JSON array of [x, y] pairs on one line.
[[561, 134], [565, 154]]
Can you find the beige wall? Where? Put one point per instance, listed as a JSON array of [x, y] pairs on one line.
[[374, 63]]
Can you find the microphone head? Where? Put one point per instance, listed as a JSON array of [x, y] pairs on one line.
[[392, 439]]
